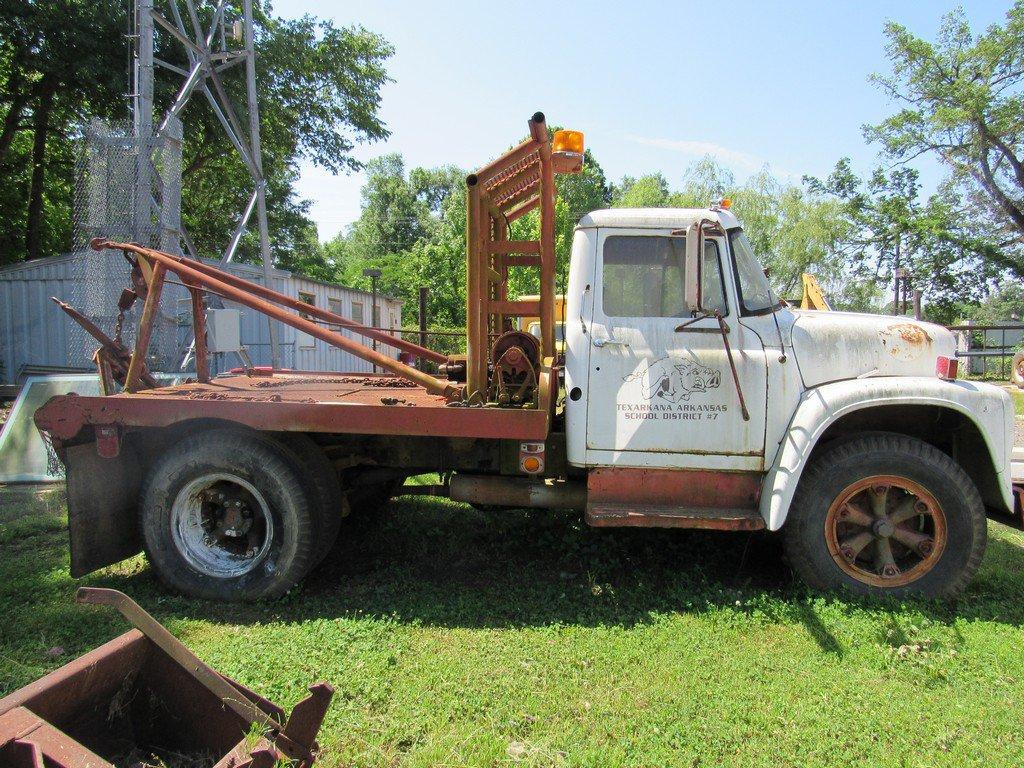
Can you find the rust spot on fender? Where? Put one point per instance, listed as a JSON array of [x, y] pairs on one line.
[[905, 341], [912, 334]]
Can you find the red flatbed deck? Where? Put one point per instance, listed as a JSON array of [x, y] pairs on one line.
[[351, 403]]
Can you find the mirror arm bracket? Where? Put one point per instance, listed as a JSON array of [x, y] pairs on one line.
[[732, 365], [704, 316]]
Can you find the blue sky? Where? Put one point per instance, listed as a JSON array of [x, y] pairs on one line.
[[654, 86]]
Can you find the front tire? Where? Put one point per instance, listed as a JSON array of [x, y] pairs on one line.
[[886, 514], [227, 515]]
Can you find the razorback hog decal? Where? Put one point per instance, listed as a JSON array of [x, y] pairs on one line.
[[674, 379]]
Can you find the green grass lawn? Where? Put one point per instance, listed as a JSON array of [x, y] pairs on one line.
[[1018, 401], [455, 637]]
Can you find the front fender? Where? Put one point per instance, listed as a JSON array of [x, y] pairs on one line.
[[987, 406]]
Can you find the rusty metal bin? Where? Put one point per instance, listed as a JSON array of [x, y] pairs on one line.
[[145, 696]]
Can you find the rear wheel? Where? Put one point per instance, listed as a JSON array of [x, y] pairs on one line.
[[332, 504], [886, 514], [229, 515]]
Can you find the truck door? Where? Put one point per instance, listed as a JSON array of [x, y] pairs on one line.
[[658, 396]]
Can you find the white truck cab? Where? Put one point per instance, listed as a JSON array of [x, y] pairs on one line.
[[833, 426]]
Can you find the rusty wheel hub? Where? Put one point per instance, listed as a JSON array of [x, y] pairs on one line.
[[221, 524], [886, 531]]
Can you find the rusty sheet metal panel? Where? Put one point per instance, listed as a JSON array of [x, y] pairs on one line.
[[102, 507], [674, 498], [370, 405], [145, 694]]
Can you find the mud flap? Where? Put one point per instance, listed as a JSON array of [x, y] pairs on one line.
[[103, 496]]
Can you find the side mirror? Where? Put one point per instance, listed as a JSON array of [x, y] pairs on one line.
[[692, 268]]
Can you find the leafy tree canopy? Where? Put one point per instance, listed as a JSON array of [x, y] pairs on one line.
[[64, 62], [962, 101]]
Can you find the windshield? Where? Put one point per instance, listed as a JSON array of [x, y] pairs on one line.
[[752, 285]]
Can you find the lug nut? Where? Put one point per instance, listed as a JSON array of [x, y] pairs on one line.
[[890, 571]]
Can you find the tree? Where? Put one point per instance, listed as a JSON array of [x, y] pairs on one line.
[[792, 230], [888, 227], [63, 62], [60, 62], [1003, 305], [963, 103], [650, 191], [412, 228]]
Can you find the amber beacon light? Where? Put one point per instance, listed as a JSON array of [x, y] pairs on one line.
[[568, 141]]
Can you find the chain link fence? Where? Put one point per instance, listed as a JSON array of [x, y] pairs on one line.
[[127, 189]]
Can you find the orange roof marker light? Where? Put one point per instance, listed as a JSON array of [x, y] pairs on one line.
[[568, 141], [725, 204], [567, 150]]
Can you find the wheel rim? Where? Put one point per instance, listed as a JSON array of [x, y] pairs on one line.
[[221, 525], [885, 531]]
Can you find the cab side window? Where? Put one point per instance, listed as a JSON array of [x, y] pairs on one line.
[[642, 276]]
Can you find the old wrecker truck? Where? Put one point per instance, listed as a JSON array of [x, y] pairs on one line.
[[689, 396]]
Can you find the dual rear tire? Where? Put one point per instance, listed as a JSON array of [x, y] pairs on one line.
[[233, 514]]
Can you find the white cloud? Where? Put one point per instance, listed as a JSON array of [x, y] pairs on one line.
[[733, 158]]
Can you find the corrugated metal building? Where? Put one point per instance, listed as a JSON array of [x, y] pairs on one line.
[[35, 332]]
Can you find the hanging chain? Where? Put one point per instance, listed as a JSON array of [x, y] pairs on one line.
[[117, 328]]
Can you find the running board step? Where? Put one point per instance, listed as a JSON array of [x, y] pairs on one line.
[[614, 515]]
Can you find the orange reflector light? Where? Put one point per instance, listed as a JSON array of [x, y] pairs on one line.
[[531, 458], [946, 367], [568, 141], [725, 204], [532, 464]]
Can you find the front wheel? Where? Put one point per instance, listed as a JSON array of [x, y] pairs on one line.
[[886, 514], [228, 515]]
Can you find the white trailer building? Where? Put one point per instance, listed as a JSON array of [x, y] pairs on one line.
[[35, 333]]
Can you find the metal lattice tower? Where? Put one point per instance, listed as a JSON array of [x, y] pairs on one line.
[[210, 58]]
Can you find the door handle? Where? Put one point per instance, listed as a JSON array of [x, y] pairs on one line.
[[610, 343]]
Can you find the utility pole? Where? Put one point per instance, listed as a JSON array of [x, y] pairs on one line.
[[373, 274], [423, 322]]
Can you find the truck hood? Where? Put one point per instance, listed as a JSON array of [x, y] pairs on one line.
[[831, 346]]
